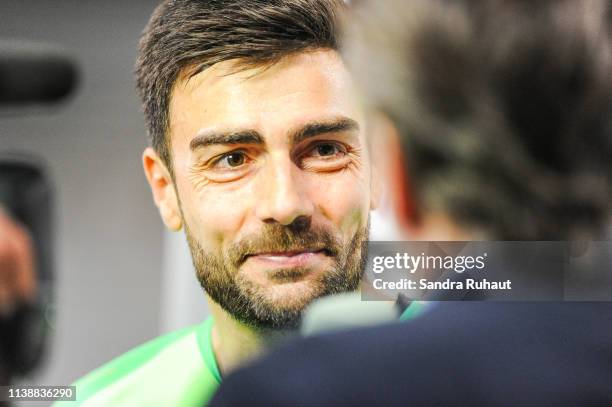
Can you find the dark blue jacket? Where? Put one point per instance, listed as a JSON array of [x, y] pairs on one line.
[[458, 354]]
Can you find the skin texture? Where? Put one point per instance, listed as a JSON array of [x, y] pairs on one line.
[[293, 166]]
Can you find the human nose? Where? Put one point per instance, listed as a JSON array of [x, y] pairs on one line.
[[281, 193]]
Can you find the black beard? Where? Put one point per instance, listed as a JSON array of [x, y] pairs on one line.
[[247, 302]]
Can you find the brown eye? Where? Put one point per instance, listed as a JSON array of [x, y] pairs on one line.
[[325, 156], [231, 160], [325, 150], [230, 166], [235, 159]]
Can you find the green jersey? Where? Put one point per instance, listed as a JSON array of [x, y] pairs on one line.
[[178, 369]]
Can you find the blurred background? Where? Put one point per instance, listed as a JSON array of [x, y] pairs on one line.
[[109, 244]]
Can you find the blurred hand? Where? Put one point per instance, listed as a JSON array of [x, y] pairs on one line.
[[17, 275]]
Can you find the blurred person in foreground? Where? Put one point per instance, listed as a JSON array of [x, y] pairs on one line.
[[17, 284], [258, 153], [504, 116]]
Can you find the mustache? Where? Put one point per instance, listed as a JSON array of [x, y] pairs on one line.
[[275, 238]]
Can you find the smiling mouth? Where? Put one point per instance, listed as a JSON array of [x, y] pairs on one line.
[[292, 258]]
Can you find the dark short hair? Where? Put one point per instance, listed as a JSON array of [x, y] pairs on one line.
[[504, 107], [196, 34]]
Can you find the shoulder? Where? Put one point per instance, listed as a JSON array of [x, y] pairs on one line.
[[168, 370], [458, 352]]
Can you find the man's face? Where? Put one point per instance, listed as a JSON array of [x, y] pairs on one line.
[[272, 174]]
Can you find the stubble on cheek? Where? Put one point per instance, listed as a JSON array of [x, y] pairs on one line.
[[276, 303]]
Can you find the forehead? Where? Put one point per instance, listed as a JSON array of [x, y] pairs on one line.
[[299, 89]]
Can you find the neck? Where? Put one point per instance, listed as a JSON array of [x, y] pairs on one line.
[[235, 343]]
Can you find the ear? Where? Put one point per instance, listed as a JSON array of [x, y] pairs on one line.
[[377, 144], [376, 187], [395, 171], [162, 186]]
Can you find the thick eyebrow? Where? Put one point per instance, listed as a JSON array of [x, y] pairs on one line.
[[212, 138], [342, 124], [309, 130]]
